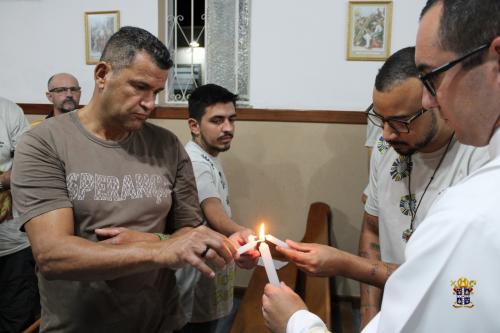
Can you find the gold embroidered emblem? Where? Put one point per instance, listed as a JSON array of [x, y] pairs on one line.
[[463, 288]]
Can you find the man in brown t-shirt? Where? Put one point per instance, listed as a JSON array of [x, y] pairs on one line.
[[104, 166]]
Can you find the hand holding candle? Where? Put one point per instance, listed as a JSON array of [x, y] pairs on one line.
[[252, 243], [276, 241]]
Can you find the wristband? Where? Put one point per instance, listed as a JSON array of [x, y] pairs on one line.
[[161, 236]]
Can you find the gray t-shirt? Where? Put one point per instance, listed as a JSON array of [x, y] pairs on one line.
[[135, 184], [205, 299], [13, 124]]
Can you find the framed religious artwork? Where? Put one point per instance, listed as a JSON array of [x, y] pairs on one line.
[[369, 30], [99, 26]]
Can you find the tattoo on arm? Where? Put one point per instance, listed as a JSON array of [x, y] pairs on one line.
[[388, 269], [374, 269], [375, 251], [375, 246], [372, 222]]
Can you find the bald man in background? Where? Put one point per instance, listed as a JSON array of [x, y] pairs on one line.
[[64, 92]]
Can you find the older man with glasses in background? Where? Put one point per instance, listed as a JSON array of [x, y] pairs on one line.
[[417, 158], [64, 92]]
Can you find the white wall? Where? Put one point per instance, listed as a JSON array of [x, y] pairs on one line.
[[297, 49], [297, 62], [298, 54], [41, 37]]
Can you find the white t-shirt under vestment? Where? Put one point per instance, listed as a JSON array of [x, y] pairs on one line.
[[388, 196]]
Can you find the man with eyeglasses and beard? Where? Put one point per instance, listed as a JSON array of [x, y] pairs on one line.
[[418, 158], [64, 93]]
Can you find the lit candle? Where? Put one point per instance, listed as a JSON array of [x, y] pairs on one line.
[[276, 241], [272, 276], [265, 254], [262, 234]]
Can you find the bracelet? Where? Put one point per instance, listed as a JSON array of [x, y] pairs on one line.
[[161, 236], [2, 188]]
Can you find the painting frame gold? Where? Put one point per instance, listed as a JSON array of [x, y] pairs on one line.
[[369, 30], [99, 26]]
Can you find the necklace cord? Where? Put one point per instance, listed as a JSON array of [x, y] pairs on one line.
[[413, 213]]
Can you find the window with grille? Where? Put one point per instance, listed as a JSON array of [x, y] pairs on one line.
[[210, 43]]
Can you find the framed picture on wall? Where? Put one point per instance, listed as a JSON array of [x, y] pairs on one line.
[[99, 26], [369, 30]]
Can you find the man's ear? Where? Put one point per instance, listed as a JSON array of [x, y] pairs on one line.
[[101, 72], [49, 96], [495, 47], [495, 43], [194, 126]]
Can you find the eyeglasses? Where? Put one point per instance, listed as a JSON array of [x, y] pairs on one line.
[[398, 125], [59, 90], [427, 79]]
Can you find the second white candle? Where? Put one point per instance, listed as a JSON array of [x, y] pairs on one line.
[[268, 264]]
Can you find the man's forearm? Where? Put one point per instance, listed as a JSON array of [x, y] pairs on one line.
[[217, 218], [75, 258], [228, 228], [370, 299], [368, 267], [373, 272]]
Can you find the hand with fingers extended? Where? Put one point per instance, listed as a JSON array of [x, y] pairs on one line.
[[315, 259], [278, 305], [249, 259], [200, 247]]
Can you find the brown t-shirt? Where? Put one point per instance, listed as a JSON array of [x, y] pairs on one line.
[[139, 183]]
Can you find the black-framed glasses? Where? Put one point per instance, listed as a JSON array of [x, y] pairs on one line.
[[427, 79], [398, 125], [59, 90]]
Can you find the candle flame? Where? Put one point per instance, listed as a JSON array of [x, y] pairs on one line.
[[262, 234]]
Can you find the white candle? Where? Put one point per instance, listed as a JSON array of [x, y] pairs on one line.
[[276, 241], [272, 276], [247, 247]]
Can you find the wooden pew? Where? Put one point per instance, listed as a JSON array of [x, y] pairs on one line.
[[313, 290], [316, 291]]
